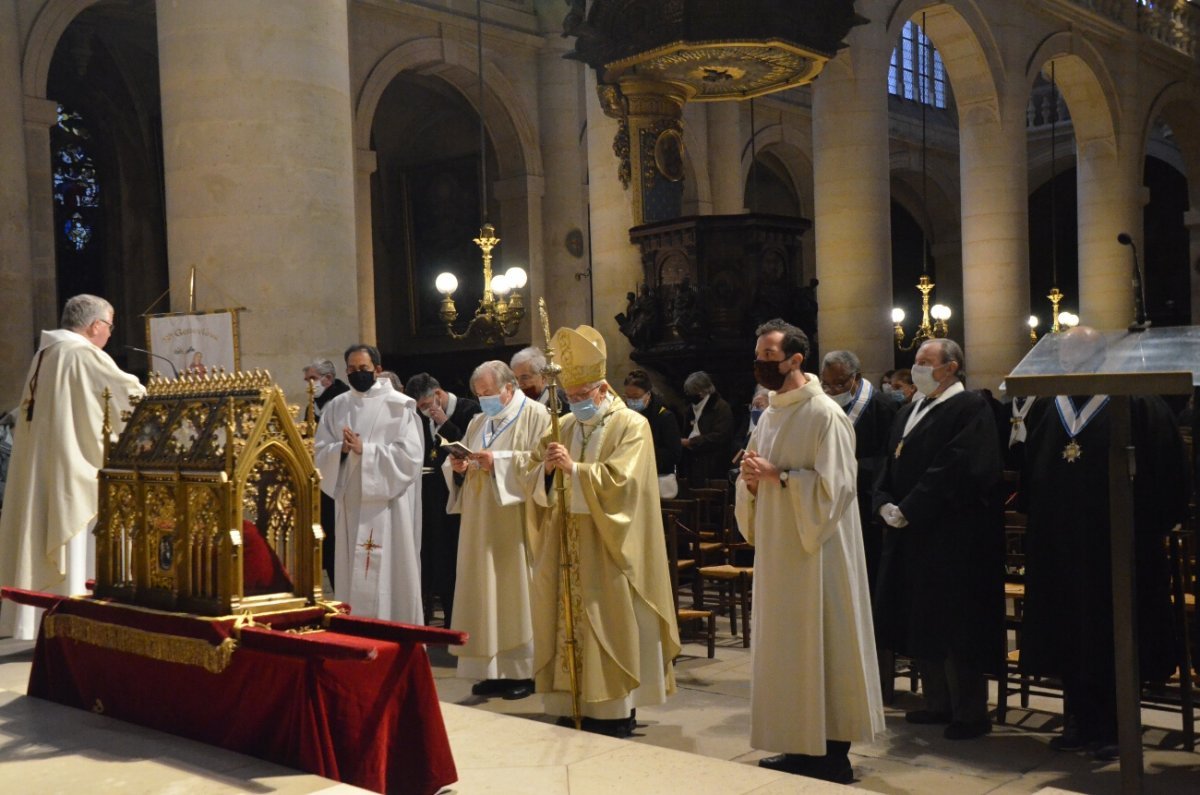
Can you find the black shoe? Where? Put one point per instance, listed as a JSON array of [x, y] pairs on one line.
[[489, 687], [838, 771], [927, 717], [967, 730], [1069, 740], [610, 727], [1104, 751], [798, 764], [518, 689]]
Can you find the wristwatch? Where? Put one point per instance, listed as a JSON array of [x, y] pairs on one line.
[[783, 478]]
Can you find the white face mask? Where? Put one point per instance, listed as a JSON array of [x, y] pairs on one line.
[[843, 399], [922, 378], [318, 388]]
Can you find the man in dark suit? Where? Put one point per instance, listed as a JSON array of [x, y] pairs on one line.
[[708, 440], [871, 414], [940, 589], [446, 415], [326, 386]]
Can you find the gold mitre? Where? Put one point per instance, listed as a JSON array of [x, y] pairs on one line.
[[582, 354]]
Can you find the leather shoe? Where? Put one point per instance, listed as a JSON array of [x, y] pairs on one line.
[[927, 717], [967, 730], [518, 689], [1104, 751], [489, 687], [799, 764]]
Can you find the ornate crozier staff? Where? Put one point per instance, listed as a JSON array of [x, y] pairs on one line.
[[566, 562]]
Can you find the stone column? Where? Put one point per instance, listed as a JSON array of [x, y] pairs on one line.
[[725, 147], [40, 116], [852, 201], [1111, 200], [560, 88], [616, 263], [260, 173], [995, 237], [520, 201], [366, 163], [16, 267]]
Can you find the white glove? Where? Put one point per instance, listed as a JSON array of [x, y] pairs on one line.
[[891, 516]]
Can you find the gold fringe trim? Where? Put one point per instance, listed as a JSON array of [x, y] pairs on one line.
[[156, 646]]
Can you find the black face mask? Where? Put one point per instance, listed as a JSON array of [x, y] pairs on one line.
[[767, 374], [361, 380], [694, 399]]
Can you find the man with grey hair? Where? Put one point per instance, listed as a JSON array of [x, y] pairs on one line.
[[52, 498], [497, 520], [527, 365], [939, 595], [444, 416], [326, 385], [871, 414], [708, 444]]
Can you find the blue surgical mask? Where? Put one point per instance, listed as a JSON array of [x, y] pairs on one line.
[[585, 409], [637, 404], [491, 404], [756, 415], [898, 396]]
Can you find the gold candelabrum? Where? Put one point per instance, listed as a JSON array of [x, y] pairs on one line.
[[929, 329], [498, 317], [1059, 319]]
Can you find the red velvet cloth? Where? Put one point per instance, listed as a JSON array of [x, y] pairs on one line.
[[376, 724]]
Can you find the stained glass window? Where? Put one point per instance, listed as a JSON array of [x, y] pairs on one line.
[[76, 190], [916, 71]]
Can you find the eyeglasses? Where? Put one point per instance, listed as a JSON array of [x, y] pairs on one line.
[[575, 397], [108, 323]]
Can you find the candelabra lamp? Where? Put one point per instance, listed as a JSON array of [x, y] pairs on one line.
[[499, 314], [1033, 324], [934, 319]]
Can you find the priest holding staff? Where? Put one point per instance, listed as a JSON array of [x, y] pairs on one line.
[[815, 677], [486, 488], [623, 614]]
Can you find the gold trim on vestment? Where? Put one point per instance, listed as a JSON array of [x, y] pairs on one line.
[[154, 645]]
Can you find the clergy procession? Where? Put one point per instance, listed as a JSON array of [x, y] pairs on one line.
[[876, 525]]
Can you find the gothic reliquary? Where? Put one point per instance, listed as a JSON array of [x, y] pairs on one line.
[[208, 500]]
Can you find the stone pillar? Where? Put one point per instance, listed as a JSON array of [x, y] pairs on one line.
[[616, 263], [560, 86], [16, 267], [260, 173], [40, 116], [1191, 220], [1111, 199], [725, 147], [995, 237], [520, 201], [366, 163], [852, 201]]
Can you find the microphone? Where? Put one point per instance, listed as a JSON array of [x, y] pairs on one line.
[[174, 370], [1140, 323]]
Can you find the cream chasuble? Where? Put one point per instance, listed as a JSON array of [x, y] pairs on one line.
[[52, 494], [491, 599], [815, 676], [378, 499], [626, 629]]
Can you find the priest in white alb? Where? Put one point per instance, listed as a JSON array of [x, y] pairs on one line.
[[491, 600], [814, 674], [368, 449], [625, 623], [52, 494]]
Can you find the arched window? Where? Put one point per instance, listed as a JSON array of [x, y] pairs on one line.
[[76, 191], [917, 71]]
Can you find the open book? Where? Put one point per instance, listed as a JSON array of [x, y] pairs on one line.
[[454, 449]]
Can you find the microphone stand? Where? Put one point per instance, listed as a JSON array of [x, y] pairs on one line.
[[1140, 322], [174, 370]]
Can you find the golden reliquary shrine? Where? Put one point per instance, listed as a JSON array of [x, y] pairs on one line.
[[208, 500]]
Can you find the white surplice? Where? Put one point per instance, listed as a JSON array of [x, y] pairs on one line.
[[815, 675], [52, 494], [378, 499], [491, 600]]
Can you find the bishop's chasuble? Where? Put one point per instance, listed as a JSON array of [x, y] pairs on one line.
[[625, 617], [378, 501], [491, 600], [52, 494], [815, 675]]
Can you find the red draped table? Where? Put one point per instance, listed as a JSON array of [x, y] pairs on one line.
[[335, 703]]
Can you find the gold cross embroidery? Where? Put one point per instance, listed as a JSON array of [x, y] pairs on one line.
[[370, 546]]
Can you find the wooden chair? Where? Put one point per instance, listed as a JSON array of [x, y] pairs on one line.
[[696, 548], [671, 527]]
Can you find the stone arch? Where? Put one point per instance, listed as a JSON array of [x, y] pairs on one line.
[[697, 187], [786, 143], [1085, 84], [47, 30], [1178, 104], [511, 131]]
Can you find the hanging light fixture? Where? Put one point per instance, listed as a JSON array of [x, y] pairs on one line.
[[498, 315], [939, 326]]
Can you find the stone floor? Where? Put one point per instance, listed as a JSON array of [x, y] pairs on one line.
[[696, 743]]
